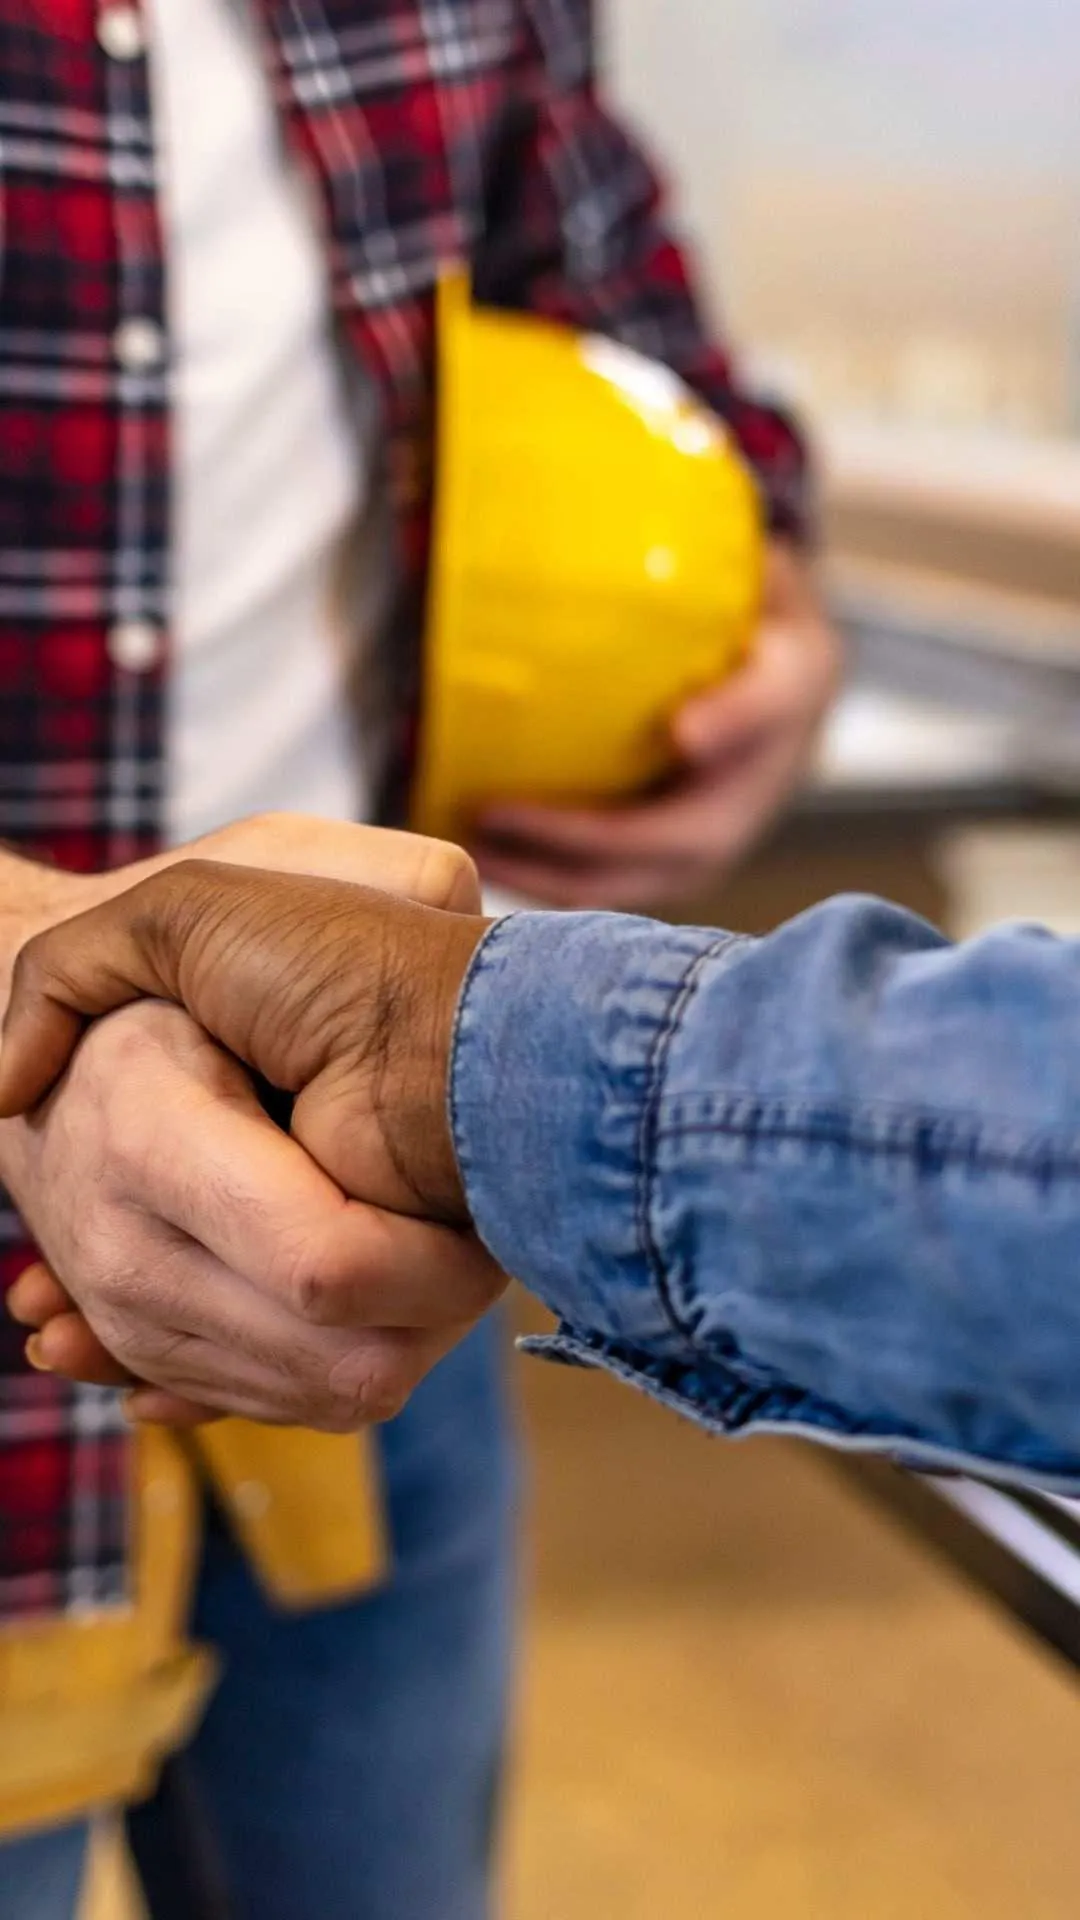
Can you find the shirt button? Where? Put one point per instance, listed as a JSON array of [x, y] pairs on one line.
[[121, 33], [139, 345], [135, 645]]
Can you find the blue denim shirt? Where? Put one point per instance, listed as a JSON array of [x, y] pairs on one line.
[[825, 1183]]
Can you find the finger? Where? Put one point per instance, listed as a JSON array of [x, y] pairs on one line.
[[397, 1273], [431, 872], [131, 947], [686, 826], [756, 792], [231, 945], [148, 1406], [218, 1347], [217, 1340], [67, 1345], [37, 1296], [785, 687], [251, 1202], [127, 948], [56, 988], [365, 1384], [726, 720], [233, 1184]]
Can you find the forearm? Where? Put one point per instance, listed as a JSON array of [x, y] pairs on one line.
[[843, 1162]]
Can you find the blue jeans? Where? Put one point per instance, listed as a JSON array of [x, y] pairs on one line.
[[40, 1876], [349, 1764]]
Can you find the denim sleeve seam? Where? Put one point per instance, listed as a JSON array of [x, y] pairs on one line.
[[725, 946], [476, 967], [956, 1140]]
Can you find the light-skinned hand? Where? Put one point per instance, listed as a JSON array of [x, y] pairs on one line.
[[339, 996], [175, 1214], [742, 748]]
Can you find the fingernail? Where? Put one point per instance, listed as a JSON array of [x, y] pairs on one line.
[[35, 1356]]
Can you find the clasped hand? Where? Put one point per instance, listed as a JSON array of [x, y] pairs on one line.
[[309, 1279]]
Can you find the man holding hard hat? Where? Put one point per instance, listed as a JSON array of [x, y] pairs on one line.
[[226, 224]]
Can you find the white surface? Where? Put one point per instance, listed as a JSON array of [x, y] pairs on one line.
[[1052, 1558], [269, 474], [879, 741], [497, 902]]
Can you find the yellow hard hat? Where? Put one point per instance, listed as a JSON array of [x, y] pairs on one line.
[[598, 557]]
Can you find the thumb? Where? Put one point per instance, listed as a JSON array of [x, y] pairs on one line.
[[73, 972], [270, 965], [716, 725]]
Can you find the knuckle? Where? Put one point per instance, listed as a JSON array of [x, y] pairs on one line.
[[313, 1291], [113, 1328], [118, 1051], [31, 969], [160, 903], [251, 841], [182, 872], [366, 1389], [323, 1274], [257, 826], [448, 877]]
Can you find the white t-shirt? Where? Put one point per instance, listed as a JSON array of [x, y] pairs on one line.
[[270, 470]]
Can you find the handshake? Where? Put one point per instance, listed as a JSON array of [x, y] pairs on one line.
[[193, 1250]]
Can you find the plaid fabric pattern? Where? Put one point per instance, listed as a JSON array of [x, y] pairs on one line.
[[438, 131]]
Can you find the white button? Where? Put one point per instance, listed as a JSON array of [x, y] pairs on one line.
[[135, 645], [121, 33], [252, 1499], [139, 345]]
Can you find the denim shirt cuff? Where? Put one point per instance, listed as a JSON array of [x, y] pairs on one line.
[[558, 1062]]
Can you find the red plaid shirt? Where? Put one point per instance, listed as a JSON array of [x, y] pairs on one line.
[[468, 131]]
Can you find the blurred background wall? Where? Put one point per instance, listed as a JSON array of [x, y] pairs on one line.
[[888, 194]]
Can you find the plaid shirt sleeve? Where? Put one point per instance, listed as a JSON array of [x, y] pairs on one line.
[[576, 229]]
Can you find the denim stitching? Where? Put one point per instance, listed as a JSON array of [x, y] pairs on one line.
[[648, 1133], [931, 1145], [477, 965], [690, 1393]]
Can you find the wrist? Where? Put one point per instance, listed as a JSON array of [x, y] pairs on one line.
[[417, 1117]]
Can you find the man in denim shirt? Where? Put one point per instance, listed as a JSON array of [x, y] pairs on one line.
[[824, 1183]]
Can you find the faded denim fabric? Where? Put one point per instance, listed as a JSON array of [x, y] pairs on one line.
[[825, 1183]]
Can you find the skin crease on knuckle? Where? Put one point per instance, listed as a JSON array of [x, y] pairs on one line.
[[371, 1384], [322, 1287], [328, 1280]]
